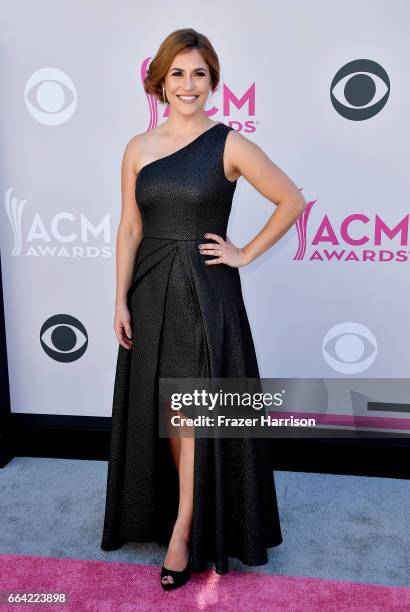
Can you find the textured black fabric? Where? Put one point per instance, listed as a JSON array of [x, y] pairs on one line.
[[188, 320]]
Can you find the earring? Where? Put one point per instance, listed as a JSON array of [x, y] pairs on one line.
[[163, 96], [208, 99]]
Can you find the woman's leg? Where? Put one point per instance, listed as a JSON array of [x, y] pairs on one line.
[[178, 550], [178, 359], [186, 487], [175, 446]]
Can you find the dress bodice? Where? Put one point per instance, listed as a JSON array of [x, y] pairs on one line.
[[185, 194]]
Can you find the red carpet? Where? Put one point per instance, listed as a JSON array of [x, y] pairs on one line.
[[107, 586]]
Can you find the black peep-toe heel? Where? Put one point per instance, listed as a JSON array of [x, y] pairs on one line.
[[179, 577]]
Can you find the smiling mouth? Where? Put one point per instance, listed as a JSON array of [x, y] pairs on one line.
[[182, 97]]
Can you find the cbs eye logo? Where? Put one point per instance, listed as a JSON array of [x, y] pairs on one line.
[[50, 96], [64, 338], [363, 87], [349, 348]]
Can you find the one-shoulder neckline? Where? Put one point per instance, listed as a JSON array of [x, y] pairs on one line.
[[155, 161]]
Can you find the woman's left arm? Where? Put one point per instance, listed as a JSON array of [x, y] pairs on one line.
[[245, 158]]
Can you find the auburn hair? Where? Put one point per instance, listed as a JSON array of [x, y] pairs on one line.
[[174, 43]]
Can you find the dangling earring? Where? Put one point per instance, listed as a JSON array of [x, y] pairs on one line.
[[163, 96], [209, 97]]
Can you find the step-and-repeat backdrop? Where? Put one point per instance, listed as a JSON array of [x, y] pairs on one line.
[[321, 87]]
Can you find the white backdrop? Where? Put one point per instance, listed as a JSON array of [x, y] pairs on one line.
[[322, 87]]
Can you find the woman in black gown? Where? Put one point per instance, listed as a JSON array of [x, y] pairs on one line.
[[180, 314]]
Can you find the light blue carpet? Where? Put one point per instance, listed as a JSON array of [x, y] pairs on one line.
[[334, 527]]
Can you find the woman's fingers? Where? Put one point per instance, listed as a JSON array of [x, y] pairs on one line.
[[210, 248], [215, 237], [225, 251], [124, 334]]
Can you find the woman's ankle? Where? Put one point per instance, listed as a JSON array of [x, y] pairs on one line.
[[181, 533]]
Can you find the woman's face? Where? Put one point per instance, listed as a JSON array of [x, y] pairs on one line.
[[188, 75]]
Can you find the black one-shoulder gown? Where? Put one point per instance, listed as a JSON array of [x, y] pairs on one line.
[[188, 320]]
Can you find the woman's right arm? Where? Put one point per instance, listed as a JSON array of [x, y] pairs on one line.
[[129, 236]]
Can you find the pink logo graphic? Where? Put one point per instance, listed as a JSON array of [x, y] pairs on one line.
[[330, 243], [246, 102]]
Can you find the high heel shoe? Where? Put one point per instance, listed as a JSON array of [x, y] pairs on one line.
[[179, 577]]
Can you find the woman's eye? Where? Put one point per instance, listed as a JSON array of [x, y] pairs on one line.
[[179, 74]]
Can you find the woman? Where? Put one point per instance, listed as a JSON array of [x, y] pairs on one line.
[[180, 314]]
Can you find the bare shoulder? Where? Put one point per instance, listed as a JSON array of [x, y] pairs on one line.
[[243, 154], [134, 151], [143, 147], [239, 150], [239, 142], [249, 160]]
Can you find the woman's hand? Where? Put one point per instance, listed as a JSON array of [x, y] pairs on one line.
[[122, 325], [225, 251]]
